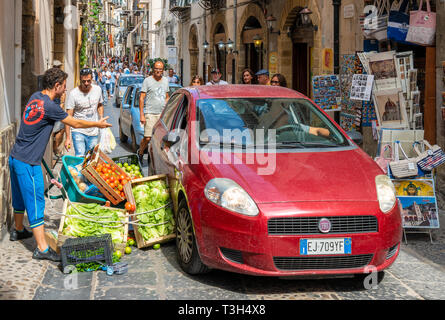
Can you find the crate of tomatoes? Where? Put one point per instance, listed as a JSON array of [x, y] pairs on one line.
[[108, 177]]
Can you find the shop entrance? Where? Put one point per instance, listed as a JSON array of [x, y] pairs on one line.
[[300, 68], [253, 56]]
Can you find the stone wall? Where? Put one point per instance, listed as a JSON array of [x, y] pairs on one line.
[[7, 139]]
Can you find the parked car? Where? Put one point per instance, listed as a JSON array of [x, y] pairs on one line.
[[173, 87], [124, 81], [129, 118], [279, 199]]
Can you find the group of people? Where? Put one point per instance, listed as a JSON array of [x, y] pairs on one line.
[[247, 77]]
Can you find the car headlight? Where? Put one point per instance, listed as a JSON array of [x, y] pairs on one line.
[[228, 194], [386, 193]]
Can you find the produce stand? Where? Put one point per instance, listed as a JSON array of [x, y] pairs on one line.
[[128, 189], [67, 204], [97, 157], [131, 159]]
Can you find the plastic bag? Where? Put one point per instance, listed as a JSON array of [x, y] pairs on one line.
[[107, 142]]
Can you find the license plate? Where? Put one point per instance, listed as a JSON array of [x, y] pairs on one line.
[[325, 246]]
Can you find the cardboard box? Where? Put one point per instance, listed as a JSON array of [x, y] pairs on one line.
[[51, 238]]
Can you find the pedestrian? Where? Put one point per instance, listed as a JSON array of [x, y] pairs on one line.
[[216, 78], [263, 77], [278, 80], [26, 174], [107, 75], [59, 128], [196, 81], [113, 81], [248, 77], [153, 97], [172, 77], [102, 84], [84, 102]]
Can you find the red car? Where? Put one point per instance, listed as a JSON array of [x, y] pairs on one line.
[[267, 184]]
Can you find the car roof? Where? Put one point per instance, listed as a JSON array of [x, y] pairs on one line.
[[175, 85], [132, 75], [242, 91]]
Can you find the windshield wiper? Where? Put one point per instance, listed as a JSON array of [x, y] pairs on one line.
[[223, 144], [301, 144]]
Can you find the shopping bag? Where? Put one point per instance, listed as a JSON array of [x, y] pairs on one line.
[[398, 23], [431, 158], [381, 160], [422, 26], [375, 24], [107, 142], [402, 168]]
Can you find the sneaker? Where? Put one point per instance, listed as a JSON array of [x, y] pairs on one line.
[[15, 235], [49, 255], [140, 158]]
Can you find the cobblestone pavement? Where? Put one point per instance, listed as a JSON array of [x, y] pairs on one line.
[[417, 274]]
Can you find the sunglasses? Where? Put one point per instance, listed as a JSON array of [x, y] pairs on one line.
[[86, 71], [275, 82]]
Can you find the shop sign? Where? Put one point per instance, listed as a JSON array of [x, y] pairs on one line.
[[273, 63], [170, 41], [349, 11], [328, 61]]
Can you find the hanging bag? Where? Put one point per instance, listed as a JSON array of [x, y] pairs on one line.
[[375, 27], [381, 160], [431, 158], [402, 168], [422, 26], [398, 22]]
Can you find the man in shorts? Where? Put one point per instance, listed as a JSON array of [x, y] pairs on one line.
[[84, 102], [154, 96], [27, 182]]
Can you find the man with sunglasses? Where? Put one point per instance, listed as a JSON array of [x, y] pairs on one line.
[[27, 184], [84, 102]]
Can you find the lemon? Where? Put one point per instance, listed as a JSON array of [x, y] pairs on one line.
[[127, 250], [118, 253]]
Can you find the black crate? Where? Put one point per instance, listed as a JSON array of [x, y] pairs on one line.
[[87, 249]]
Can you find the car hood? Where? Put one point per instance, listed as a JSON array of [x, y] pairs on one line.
[[347, 175]]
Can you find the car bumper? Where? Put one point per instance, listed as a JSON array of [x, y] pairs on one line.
[[243, 244]]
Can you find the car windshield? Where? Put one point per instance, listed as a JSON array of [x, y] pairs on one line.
[[127, 81], [266, 122]]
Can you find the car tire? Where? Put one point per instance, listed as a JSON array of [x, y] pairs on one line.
[[186, 249], [122, 137], [134, 145], [367, 281]]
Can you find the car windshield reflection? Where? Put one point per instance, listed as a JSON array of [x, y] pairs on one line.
[[258, 122]]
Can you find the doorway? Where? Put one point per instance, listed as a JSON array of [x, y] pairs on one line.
[[300, 67]]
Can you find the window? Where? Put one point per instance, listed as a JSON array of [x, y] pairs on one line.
[[170, 108], [128, 95]]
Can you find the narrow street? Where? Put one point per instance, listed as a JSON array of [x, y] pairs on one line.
[[418, 273]]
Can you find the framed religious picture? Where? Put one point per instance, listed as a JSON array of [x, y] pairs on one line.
[[390, 107]]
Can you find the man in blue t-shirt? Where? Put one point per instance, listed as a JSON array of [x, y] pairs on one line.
[[39, 117]]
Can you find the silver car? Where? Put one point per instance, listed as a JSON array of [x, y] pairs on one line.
[[126, 80]]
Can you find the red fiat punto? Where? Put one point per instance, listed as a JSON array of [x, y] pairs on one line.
[[265, 183]]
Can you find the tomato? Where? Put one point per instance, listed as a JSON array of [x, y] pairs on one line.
[[128, 206], [112, 185], [120, 187], [112, 179], [133, 207], [122, 194], [124, 182], [104, 170]]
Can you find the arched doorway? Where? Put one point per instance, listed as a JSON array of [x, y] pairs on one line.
[[220, 55], [302, 42], [193, 50], [253, 57]]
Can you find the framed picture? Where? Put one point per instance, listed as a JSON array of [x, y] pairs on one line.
[[414, 188], [418, 121], [419, 212], [391, 109], [412, 74]]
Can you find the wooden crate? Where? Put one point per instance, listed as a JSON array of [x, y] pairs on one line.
[[62, 238], [128, 189], [93, 159]]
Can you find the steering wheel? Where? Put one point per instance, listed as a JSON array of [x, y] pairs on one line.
[[281, 129]]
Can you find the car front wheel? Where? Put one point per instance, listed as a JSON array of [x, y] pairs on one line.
[[186, 248]]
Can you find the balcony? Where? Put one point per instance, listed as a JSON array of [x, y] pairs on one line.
[[181, 9], [212, 5]]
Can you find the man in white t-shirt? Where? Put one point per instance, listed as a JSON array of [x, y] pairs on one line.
[[107, 76], [152, 100], [172, 77], [84, 102]]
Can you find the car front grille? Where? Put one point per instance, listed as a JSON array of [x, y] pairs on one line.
[[322, 263], [392, 251], [309, 225]]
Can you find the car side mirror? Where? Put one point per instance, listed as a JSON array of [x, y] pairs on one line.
[[170, 139], [355, 136], [126, 106]]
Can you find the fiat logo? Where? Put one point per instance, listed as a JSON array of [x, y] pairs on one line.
[[324, 225]]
